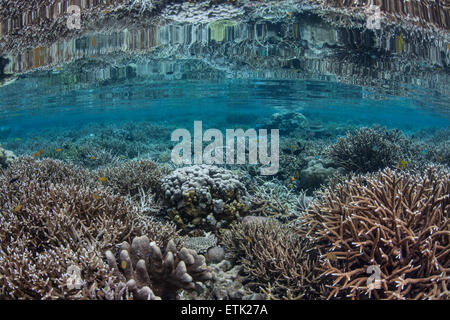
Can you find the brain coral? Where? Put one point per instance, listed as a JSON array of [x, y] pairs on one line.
[[394, 222], [204, 196]]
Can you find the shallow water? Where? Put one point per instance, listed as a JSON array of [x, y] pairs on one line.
[[347, 99], [31, 107]]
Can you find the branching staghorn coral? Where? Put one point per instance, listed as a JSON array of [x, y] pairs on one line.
[[394, 221], [153, 274], [370, 149], [26, 169], [273, 199], [275, 258], [132, 177], [52, 221]]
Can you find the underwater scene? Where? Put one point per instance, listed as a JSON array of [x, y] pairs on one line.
[[224, 150]]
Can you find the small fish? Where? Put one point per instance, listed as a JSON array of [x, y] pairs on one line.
[[291, 186], [290, 14], [293, 147], [38, 153], [317, 158], [297, 175], [58, 150], [123, 264], [18, 208], [95, 196], [292, 178], [249, 240], [93, 158], [102, 179], [18, 139], [424, 152], [399, 43], [331, 256], [402, 164], [375, 148]]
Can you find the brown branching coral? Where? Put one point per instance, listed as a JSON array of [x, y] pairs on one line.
[[275, 259], [26, 169], [394, 221], [133, 176], [151, 275], [52, 222]]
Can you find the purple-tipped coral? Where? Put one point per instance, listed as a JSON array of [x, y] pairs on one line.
[[394, 222], [153, 274]]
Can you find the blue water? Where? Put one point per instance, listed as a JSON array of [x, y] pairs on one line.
[[30, 105]]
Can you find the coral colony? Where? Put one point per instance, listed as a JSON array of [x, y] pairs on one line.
[[324, 172]]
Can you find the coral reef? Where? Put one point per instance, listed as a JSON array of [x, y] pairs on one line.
[[275, 258], [55, 218], [370, 149], [25, 170], [215, 254], [228, 282], [204, 196], [394, 221], [287, 122], [132, 177], [201, 244], [94, 146], [6, 157], [317, 172], [273, 199], [151, 274]]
